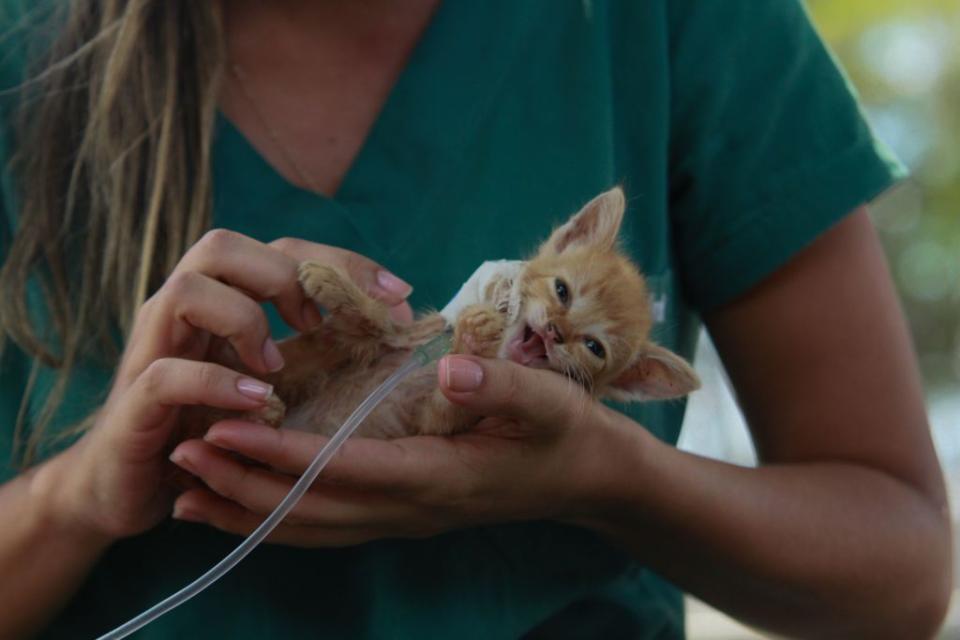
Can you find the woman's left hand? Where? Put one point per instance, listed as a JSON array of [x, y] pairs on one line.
[[532, 460]]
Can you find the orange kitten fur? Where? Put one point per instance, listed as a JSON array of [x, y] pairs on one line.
[[583, 311]]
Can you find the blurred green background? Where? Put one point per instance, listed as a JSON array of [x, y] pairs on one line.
[[903, 59]]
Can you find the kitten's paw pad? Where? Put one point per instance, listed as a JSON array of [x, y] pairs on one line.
[[326, 284], [479, 331], [270, 414], [315, 278]]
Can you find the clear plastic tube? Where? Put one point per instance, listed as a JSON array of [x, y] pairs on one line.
[[424, 355]]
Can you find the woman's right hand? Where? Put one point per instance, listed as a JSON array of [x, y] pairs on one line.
[[111, 482]]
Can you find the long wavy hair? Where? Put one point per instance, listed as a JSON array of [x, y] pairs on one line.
[[112, 166]]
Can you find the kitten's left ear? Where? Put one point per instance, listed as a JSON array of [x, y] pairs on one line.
[[655, 374], [594, 226]]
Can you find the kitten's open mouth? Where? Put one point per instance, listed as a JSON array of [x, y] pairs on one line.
[[528, 349]]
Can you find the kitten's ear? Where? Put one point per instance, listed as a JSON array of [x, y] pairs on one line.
[[655, 374], [596, 225]]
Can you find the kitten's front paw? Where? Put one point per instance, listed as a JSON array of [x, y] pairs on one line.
[[271, 413], [323, 283], [479, 331]]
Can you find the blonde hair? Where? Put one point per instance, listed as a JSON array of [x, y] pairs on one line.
[[113, 174]]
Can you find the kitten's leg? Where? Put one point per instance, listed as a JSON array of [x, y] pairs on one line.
[[479, 332], [357, 330], [358, 319], [356, 314]]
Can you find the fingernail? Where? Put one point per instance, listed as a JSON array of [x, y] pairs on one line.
[[461, 374], [401, 314], [254, 389], [186, 513], [271, 355], [310, 315], [393, 284], [228, 435], [182, 461]]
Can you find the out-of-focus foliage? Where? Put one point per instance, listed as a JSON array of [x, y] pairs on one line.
[[903, 57]]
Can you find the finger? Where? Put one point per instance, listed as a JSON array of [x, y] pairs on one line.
[[403, 465], [256, 268], [286, 450], [169, 383], [401, 313], [141, 418], [182, 481], [505, 389], [204, 506], [377, 281], [260, 491], [197, 301]]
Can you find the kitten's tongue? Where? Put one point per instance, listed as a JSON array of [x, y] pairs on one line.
[[528, 349]]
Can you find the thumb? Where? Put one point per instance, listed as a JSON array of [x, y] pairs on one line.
[[506, 389]]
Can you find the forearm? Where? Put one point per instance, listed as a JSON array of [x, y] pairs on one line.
[[822, 549], [44, 554]]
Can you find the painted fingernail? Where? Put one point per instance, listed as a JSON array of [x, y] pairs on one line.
[[220, 440], [393, 284], [310, 315], [461, 374], [235, 434], [254, 389], [186, 513], [271, 355], [182, 461]]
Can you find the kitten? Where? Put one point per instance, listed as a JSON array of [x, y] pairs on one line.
[[578, 307]]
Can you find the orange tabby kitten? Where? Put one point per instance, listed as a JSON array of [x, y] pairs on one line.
[[579, 307]]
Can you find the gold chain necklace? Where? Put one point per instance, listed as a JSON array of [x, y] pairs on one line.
[[288, 157]]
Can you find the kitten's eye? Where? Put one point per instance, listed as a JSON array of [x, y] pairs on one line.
[[595, 347], [562, 292]]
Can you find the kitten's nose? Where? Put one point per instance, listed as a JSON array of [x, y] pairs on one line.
[[554, 334]]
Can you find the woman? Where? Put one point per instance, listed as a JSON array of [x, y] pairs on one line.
[[429, 137]]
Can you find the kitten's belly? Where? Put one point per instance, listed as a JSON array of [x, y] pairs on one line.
[[334, 401]]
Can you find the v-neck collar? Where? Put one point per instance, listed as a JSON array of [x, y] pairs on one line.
[[414, 146]]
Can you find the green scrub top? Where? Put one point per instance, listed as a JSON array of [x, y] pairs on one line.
[[737, 142]]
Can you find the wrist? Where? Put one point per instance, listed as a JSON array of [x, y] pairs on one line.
[[58, 509], [611, 462]]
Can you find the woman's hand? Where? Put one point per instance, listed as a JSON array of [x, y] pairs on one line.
[[112, 481], [528, 462]]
